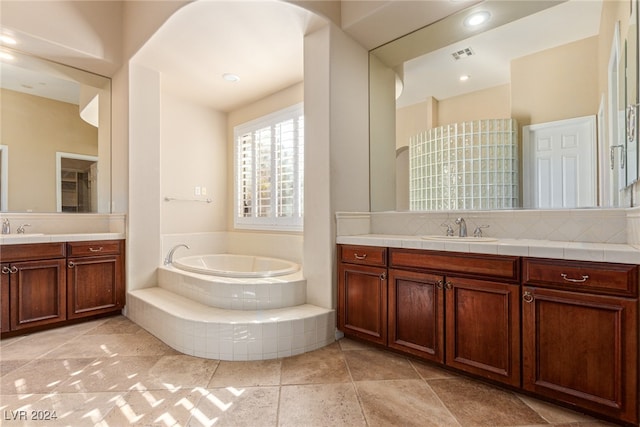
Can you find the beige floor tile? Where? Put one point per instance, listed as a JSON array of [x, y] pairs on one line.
[[113, 369], [326, 365], [237, 407], [115, 325], [246, 374], [367, 365], [320, 405], [153, 408], [31, 347], [113, 374], [554, 414], [42, 375], [430, 370], [403, 403], [60, 409], [182, 371], [477, 404], [7, 366], [347, 344], [110, 345]]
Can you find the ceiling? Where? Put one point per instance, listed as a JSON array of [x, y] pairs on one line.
[[437, 73], [262, 42]]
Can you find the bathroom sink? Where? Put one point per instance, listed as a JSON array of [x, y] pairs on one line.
[[469, 239], [15, 236]]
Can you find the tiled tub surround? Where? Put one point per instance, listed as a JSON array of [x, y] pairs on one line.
[[232, 318], [213, 333], [235, 293]]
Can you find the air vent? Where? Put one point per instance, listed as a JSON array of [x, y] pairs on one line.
[[462, 53]]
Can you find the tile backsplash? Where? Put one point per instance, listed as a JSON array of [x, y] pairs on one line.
[[572, 225]]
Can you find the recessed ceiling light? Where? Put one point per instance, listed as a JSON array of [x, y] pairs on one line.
[[465, 77], [5, 39], [477, 18], [230, 77]]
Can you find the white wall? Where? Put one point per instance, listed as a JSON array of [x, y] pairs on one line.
[[193, 154], [336, 150], [143, 240]]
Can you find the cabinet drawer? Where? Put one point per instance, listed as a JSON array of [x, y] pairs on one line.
[[594, 277], [367, 255], [473, 265], [93, 248], [31, 251]]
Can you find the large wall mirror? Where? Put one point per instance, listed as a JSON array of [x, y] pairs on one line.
[[55, 140], [534, 107]]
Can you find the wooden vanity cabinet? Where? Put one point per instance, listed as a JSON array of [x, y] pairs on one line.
[[580, 334], [5, 318], [33, 276], [48, 284], [362, 292], [469, 320], [95, 282]]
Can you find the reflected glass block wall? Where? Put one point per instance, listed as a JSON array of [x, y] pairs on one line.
[[470, 165]]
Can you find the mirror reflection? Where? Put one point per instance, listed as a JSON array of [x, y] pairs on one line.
[[55, 146], [521, 111]]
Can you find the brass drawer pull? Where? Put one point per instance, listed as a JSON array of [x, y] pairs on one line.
[[96, 250], [568, 279], [527, 297], [360, 257], [71, 264]]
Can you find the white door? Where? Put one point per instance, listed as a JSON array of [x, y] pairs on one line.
[[559, 167]]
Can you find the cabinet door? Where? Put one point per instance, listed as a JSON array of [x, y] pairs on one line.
[[94, 285], [483, 328], [37, 293], [582, 349], [362, 302], [416, 314], [4, 298]]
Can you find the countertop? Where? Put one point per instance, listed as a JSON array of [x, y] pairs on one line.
[[579, 251], [19, 239]]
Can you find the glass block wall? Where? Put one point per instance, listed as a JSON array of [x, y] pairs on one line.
[[470, 165]]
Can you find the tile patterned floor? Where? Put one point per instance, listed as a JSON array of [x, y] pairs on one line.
[[110, 372]]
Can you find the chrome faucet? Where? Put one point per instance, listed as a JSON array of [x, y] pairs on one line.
[[20, 229], [463, 227], [6, 226], [169, 259]]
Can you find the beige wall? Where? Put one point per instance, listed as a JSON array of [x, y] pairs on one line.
[[491, 103], [556, 84], [36, 128], [413, 119], [193, 154]]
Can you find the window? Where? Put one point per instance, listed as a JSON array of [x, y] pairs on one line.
[[269, 160]]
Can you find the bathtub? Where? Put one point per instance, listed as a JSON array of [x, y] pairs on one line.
[[241, 266]]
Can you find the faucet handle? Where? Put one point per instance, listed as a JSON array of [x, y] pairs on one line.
[[478, 231], [20, 229], [449, 228]]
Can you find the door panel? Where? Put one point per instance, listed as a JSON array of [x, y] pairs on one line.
[[416, 314], [581, 348], [560, 170], [483, 328]]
